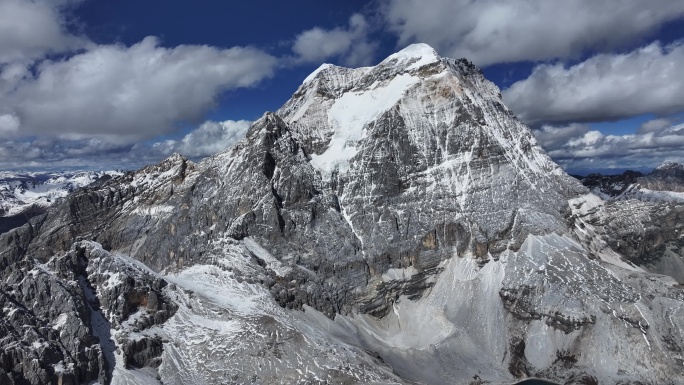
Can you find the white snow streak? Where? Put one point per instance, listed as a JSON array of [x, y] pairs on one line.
[[349, 116]]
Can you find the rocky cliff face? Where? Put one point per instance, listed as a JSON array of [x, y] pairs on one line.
[[388, 224], [59, 317]]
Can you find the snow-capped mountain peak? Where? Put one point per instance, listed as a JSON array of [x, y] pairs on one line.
[[318, 70], [414, 56], [336, 109]]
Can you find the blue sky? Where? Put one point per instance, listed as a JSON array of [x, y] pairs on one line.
[[95, 84]]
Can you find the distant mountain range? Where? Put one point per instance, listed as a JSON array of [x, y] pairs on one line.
[[664, 184], [27, 194]]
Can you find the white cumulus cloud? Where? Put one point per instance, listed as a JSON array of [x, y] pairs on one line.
[[552, 138], [350, 44], [497, 31], [9, 125], [654, 125], [208, 139], [30, 29], [128, 93], [604, 87], [576, 146]]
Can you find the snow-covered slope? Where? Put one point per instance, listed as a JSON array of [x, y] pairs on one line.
[[389, 224]]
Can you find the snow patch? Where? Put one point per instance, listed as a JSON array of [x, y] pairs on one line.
[[423, 54], [58, 367], [585, 204], [60, 321], [318, 70], [349, 116], [399, 274], [113, 280], [261, 253], [153, 211], [222, 289]]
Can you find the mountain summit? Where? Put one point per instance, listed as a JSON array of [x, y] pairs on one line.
[[388, 224]]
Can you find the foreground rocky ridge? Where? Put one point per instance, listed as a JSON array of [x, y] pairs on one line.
[[58, 317], [388, 224]]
